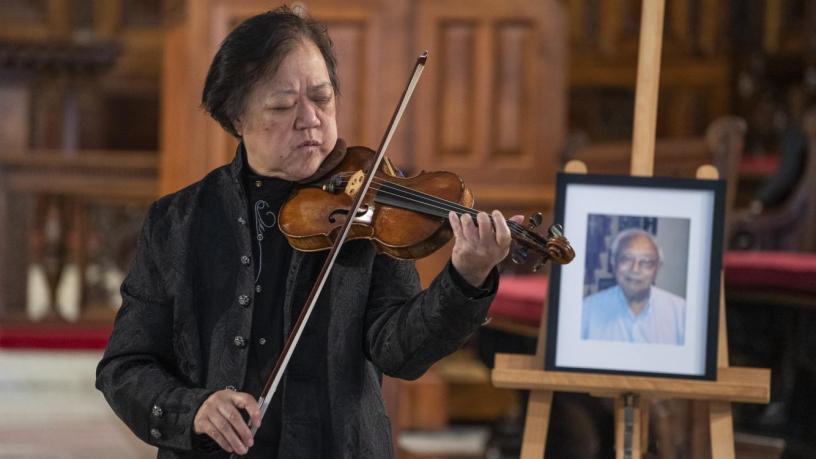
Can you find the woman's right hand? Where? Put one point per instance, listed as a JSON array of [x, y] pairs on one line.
[[220, 419]]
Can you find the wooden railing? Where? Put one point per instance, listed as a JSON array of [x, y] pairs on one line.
[[68, 225]]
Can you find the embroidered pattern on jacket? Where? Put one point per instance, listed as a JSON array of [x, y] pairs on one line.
[[262, 213]]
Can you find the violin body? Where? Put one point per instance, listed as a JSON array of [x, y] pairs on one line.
[[313, 215]]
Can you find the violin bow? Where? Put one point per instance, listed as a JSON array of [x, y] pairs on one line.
[[275, 377]]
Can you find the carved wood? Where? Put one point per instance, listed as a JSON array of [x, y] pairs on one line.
[[492, 103]]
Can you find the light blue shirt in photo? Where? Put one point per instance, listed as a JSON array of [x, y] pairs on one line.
[[606, 316]]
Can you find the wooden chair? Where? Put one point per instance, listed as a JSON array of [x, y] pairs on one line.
[[790, 226]]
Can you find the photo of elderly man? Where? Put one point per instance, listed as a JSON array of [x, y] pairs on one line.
[[634, 309]]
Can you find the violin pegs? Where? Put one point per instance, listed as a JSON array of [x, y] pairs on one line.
[[535, 220], [519, 255], [538, 264], [556, 230], [334, 185]]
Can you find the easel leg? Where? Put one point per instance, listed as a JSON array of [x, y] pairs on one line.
[[722, 430], [627, 427], [644, 423], [536, 424]]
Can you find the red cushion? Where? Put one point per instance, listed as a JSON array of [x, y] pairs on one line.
[[759, 165], [520, 299], [792, 272]]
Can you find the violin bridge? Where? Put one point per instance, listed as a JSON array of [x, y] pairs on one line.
[[355, 183]]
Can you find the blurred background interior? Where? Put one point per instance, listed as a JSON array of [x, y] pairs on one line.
[[100, 116]]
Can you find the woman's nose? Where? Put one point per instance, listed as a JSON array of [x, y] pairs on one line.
[[306, 116]]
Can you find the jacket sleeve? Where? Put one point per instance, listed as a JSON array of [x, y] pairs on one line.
[[138, 374], [408, 329]]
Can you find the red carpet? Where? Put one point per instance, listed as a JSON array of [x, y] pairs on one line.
[[54, 336]]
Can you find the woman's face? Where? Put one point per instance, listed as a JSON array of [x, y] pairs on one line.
[[288, 124]]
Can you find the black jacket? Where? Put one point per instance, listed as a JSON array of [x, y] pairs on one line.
[[182, 331]]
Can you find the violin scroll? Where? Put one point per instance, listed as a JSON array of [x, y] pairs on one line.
[[554, 246], [558, 247]]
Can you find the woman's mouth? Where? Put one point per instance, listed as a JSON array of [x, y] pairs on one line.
[[309, 143]]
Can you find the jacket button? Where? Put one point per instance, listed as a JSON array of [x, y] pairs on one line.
[[243, 300], [262, 341], [157, 411], [245, 260], [242, 220], [155, 434], [258, 288], [239, 342]]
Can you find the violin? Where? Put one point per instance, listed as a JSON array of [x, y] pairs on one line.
[[406, 218]]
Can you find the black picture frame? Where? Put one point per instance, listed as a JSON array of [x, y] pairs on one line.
[[675, 333]]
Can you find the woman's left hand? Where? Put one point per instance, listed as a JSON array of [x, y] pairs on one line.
[[479, 246]]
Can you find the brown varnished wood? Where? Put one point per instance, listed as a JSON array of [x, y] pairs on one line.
[[304, 218], [408, 216]]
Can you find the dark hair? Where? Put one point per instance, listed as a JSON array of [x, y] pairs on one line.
[[256, 46]]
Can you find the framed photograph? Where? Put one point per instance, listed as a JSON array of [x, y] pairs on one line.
[[642, 295]]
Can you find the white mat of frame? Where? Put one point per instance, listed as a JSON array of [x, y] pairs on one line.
[[50, 409], [464, 440]]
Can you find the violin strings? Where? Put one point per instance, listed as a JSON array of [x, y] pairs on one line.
[[408, 191], [514, 227], [436, 203], [441, 204]]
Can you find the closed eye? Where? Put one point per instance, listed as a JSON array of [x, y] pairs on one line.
[[322, 100]]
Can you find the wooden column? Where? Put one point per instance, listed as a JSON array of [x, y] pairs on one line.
[[14, 129]]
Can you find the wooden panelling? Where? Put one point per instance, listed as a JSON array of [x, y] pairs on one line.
[[456, 80], [513, 89], [349, 38], [493, 108]]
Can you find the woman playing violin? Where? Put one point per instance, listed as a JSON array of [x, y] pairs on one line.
[[215, 286]]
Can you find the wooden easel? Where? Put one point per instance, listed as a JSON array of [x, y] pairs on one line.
[[632, 393]]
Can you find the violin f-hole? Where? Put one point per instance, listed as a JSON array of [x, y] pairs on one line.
[[364, 214]]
